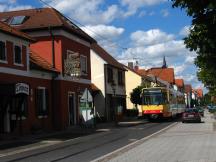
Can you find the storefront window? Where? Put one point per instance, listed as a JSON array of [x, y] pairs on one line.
[[42, 101]]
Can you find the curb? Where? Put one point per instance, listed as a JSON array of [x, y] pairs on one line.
[[126, 148]]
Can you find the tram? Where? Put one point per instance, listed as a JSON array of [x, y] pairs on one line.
[[162, 102]]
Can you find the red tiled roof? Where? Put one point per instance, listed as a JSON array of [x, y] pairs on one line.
[[40, 62], [44, 18], [106, 56], [166, 74], [188, 88], [199, 93], [179, 82], [142, 72], [10, 30]]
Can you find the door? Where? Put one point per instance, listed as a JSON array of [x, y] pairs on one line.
[[72, 108]]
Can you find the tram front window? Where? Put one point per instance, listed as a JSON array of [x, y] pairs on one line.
[[154, 99]]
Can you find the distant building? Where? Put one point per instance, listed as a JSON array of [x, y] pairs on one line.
[[180, 84], [188, 95]]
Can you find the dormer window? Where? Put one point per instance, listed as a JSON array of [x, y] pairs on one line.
[[17, 55], [17, 20], [3, 56]]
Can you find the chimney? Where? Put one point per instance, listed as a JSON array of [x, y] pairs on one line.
[[130, 65], [136, 67]]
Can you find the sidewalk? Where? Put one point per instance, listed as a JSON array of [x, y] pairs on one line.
[[185, 142], [9, 143]]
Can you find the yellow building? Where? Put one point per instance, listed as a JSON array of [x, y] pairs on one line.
[[132, 80]]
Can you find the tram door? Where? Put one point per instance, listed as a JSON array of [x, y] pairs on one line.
[[72, 108]]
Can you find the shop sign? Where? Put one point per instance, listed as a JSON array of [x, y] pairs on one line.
[[22, 88], [72, 64]]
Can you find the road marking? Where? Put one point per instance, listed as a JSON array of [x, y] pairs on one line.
[[131, 145]]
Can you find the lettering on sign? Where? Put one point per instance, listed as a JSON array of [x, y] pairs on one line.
[[72, 64], [22, 88]]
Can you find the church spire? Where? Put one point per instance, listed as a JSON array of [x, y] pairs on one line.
[[164, 63]]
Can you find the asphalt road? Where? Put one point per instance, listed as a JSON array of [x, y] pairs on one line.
[[87, 148]]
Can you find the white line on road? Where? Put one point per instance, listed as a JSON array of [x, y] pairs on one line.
[[131, 145]]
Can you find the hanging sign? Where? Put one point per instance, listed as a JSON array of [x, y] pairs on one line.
[[72, 64], [22, 88]]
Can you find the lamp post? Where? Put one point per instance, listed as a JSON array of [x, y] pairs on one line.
[[113, 85]]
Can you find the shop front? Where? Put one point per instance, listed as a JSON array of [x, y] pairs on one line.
[[13, 106]]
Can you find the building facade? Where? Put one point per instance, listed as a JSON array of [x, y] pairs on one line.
[[25, 102], [109, 76], [66, 48]]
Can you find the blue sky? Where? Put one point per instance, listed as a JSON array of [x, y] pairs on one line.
[[130, 30]]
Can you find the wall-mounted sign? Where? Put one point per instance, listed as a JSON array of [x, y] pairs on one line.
[[22, 88], [72, 64]]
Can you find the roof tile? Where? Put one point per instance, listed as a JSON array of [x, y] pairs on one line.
[[12, 31]]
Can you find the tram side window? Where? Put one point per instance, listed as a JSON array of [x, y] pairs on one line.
[[42, 101]]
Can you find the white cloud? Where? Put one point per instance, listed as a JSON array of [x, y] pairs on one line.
[[87, 12], [165, 13], [150, 37], [133, 6], [185, 31], [190, 59], [102, 31], [11, 5], [180, 69]]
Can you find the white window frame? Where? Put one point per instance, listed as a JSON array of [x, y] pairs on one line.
[[17, 64], [44, 103], [86, 64], [4, 61]]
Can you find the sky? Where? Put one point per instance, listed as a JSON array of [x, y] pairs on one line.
[[142, 31]]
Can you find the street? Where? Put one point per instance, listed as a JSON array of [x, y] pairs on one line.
[[185, 142], [87, 148], [151, 142]]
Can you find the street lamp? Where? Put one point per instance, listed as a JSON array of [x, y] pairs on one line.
[[113, 85]]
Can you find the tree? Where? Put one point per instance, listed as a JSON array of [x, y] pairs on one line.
[[135, 96], [201, 38]]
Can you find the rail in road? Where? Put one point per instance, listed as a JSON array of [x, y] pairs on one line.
[[90, 147]]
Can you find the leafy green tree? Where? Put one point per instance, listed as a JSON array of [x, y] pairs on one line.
[[202, 37], [135, 96]]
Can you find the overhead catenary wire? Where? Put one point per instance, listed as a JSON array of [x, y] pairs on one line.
[[82, 25]]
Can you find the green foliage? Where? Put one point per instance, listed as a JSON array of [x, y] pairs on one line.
[[135, 96], [202, 37]]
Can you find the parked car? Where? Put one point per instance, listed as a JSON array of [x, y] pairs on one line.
[[191, 115], [212, 108]]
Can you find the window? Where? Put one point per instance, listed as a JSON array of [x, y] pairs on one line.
[[83, 63], [17, 20], [2, 51], [110, 75], [17, 55], [42, 101], [120, 78]]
